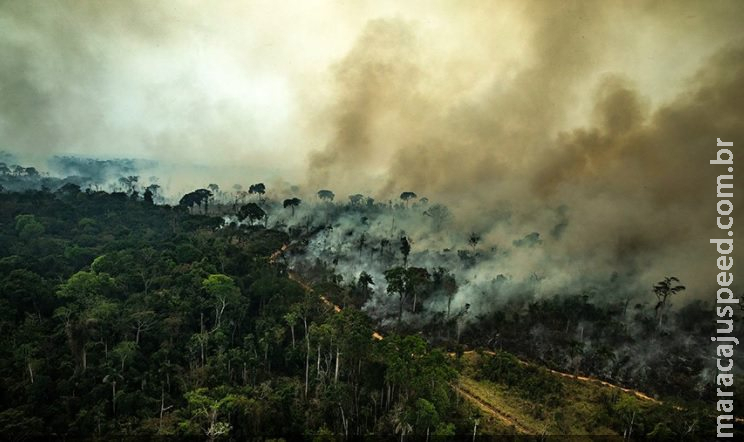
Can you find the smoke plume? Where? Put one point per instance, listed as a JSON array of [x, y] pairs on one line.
[[590, 124]]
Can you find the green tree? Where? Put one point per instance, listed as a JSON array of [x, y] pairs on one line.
[[252, 212], [396, 285], [207, 409], [223, 291], [88, 304], [28, 227], [628, 409], [425, 415], [124, 351]]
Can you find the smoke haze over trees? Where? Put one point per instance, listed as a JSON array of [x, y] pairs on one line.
[[526, 176], [598, 108]]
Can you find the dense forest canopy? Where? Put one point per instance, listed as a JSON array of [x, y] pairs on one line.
[[380, 218], [231, 314]]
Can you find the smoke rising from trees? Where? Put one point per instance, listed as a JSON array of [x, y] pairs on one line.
[[590, 124]]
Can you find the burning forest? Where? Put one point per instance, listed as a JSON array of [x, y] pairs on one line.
[[400, 219]]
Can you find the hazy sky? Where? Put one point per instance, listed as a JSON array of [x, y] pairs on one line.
[[610, 107], [262, 84]]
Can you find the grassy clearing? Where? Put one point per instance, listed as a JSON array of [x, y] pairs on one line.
[[507, 409]]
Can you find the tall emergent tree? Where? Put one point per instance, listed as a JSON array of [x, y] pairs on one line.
[[252, 212], [663, 290], [407, 196], [224, 292], [292, 202], [257, 189], [197, 197], [326, 195]]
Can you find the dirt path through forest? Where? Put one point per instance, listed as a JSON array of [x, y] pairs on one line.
[[376, 335], [489, 408]]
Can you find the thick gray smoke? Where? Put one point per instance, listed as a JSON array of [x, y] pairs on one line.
[[560, 138]]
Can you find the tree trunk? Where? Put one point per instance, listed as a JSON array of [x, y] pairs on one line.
[[629, 431], [338, 358], [307, 357], [201, 338], [400, 309], [163, 408], [162, 403], [344, 422]]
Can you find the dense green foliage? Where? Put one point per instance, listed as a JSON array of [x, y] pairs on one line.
[[533, 382], [122, 317]]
